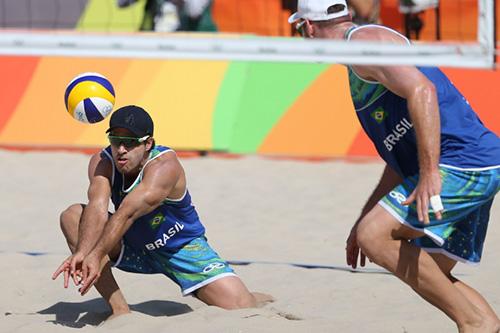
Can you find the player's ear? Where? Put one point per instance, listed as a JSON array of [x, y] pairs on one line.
[[150, 143], [309, 29]]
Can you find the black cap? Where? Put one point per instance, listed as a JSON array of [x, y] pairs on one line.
[[133, 118]]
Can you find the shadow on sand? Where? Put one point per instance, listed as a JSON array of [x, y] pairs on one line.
[[95, 311]]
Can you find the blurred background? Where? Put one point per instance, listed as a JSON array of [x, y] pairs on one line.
[[242, 107]]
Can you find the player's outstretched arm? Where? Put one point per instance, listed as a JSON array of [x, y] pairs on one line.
[[95, 214], [93, 218]]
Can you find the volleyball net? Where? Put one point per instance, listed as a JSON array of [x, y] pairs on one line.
[[480, 53]]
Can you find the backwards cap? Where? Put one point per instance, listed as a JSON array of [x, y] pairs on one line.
[[318, 10], [133, 118]]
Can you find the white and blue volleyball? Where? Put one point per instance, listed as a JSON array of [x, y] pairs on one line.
[[89, 97]]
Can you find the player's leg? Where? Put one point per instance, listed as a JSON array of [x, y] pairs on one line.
[[106, 285], [231, 293], [385, 241], [200, 271], [228, 292], [446, 265]]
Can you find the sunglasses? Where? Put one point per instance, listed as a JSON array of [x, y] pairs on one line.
[[126, 141], [300, 27]]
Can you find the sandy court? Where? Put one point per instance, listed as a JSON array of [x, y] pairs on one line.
[[273, 212]]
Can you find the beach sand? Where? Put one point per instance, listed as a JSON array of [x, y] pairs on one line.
[[273, 213]]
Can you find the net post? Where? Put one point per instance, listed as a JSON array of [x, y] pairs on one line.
[[487, 29], [495, 34]]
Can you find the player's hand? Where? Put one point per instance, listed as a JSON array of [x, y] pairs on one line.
[[352, 250], [76, 267], [70, 267], [91, 271], [63, 268], [427, 193]]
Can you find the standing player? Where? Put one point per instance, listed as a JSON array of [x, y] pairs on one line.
[[155, 227], [442, 173]]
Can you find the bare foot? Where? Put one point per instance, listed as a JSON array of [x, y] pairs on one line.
[[262, 299]]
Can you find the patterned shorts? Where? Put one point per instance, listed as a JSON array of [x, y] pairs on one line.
[[193, 266], [467, 197]]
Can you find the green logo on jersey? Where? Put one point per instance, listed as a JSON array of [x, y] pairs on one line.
[[379, 115], [157, 220]]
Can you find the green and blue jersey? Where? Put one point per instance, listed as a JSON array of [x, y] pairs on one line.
[[169, 226]]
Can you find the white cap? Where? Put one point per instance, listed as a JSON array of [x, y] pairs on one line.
[[317, 10]]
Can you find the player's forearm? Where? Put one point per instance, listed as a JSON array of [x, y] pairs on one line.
[[113, 232], [424, 112], [138, 203], [91, 227]]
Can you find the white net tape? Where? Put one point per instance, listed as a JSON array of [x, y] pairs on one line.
[[474, 55]]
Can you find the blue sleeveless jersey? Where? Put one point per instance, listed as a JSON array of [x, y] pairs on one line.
[[465, 142], [168, 227]]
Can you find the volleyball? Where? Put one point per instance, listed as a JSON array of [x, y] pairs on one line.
[[89, 97]]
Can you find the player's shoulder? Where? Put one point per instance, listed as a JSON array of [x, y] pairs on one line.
[[101, 165], [99, 157], [166, 159], [378, 33], [165, 167]]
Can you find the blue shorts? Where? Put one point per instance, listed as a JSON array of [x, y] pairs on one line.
[[193, 266], [467, 197]]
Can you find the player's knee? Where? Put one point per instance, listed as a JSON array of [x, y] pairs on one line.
[[240, 301], [367, 238], [228, 293], [70, 218]]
